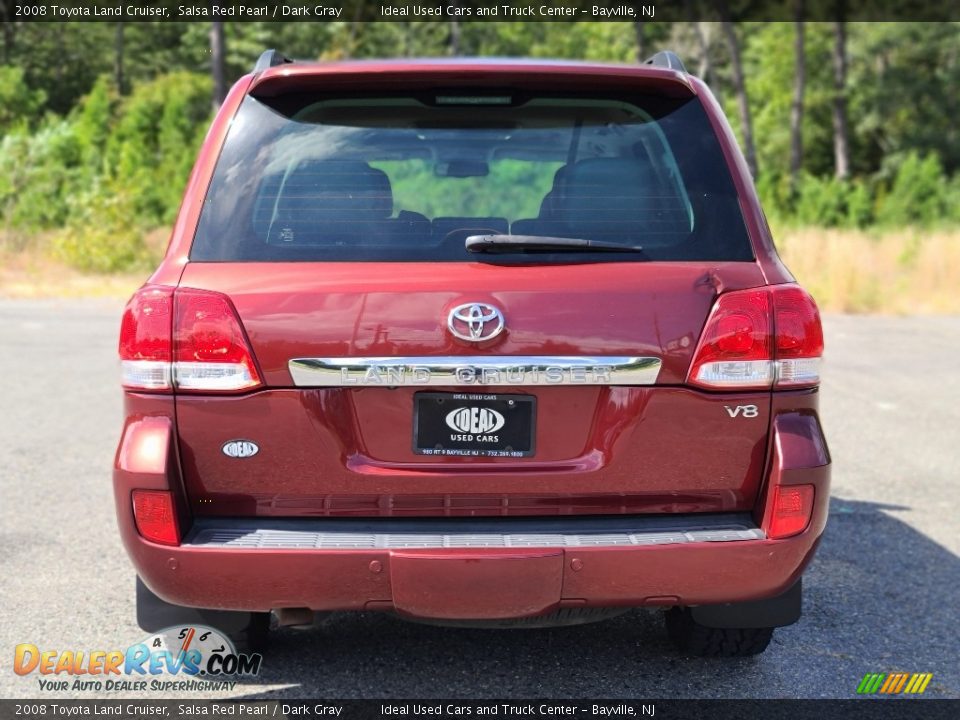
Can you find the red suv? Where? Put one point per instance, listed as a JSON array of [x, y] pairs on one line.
[[477, 342]]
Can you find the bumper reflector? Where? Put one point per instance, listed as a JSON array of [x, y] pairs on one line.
[[155, 516], [792, 507]]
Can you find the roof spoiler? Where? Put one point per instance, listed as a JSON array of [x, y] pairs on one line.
[[466, 72], [269, 59], [666, 59]]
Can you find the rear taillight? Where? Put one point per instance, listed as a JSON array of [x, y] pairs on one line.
[[145, 331], [799, 337], [155, 516], [187, 339], [210, 350], [760, 338], [792, 508]]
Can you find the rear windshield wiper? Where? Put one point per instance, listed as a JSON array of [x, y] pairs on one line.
[[544, 243]]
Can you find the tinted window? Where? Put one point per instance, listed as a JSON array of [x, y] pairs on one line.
[[409, 178]]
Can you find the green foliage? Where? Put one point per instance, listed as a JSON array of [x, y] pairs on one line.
[[37, 173], [103, 234], [100, 122], [821, 202], [91, 124], [513, 189], [155, 141], [769, 66], [918, 195], [904, 143], [860, 205], [19, 103], [952, 200], [818, 202], [112, 170]]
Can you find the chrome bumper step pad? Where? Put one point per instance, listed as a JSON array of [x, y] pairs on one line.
[[271, 539]]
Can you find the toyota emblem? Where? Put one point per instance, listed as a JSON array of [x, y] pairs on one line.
[[475, 322]]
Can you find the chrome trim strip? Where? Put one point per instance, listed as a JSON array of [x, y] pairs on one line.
[[425, 371], [264, 539]]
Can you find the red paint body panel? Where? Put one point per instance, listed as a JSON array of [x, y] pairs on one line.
[[346, 309], [347, 452], [338, 452], [688, 574], [452, 585]]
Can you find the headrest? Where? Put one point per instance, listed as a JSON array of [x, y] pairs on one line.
[[608, 195], [548, 204], [337, 190]]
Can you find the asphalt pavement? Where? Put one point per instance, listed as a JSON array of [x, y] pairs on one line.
[[881, 596]]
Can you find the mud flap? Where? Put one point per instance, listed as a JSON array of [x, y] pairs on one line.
[[155, 614], [476, 585], [777, 611]]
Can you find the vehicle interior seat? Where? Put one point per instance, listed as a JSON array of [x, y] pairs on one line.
[[613, 199], [334, 202], [535, 226]]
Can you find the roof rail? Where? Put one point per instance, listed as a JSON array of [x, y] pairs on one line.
[[269, 59], [666, 59]]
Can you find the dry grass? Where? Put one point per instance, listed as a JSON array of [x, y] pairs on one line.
[[901, 272], [27, 270]]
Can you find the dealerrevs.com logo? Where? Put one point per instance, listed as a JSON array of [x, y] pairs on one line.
[[181, 658]]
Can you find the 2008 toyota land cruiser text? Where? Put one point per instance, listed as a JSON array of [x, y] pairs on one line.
[[474, 342]]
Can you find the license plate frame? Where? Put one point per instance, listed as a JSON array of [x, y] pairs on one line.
[[437, 431]]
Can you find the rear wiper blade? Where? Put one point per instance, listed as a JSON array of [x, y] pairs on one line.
[[523, 243]]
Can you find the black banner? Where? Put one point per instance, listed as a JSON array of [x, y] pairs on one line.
[[134, 709], [482, 10]]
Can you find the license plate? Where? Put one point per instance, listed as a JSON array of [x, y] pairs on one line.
[[474, 424]]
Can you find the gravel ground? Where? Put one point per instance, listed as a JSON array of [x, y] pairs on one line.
[[881, 595]]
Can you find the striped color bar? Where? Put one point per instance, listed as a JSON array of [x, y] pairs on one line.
[[894, 683]]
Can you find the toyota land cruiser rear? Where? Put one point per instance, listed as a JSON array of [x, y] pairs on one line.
[[472, 342]]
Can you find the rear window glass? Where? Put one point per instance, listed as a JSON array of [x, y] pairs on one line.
[[409, 178]]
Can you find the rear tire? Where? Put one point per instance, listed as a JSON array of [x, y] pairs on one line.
[[702, 641]]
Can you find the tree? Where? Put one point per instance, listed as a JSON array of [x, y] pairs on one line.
[[796, 108], [454, 38], [740, 89], [841, 132], [9, 30], [118, 57], [218, 53], [455, 33], [638, 31], [705, 63]]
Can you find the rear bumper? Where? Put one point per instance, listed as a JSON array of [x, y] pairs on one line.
[[472, 568], [470, 582]]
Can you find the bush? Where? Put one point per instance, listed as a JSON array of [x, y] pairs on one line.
[[38, 174], [776, 196], [918, 195], [156, 140], [821, 202], [19, 104], [112, 170], [860, 205], [102, 235]]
